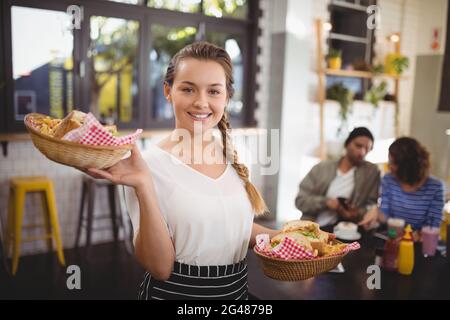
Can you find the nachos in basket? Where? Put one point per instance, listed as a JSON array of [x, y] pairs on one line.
[[58, 128], [308, 235]]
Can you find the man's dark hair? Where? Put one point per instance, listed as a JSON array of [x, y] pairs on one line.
[[357, 132]]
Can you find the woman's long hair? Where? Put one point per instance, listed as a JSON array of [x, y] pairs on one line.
[[411, 159], [208, 51]]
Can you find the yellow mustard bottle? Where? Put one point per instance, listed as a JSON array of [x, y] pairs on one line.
[[405, 261]]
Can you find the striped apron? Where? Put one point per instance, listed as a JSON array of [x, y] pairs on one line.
[[189, 282]]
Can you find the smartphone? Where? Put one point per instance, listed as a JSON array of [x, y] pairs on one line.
[[343, 202]]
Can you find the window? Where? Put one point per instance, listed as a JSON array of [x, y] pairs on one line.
[[129, 1], [43, 80], [233, 45], [192, 6], [237, 9], [113, 50], [226, 8], [166, 42], [114, 64]]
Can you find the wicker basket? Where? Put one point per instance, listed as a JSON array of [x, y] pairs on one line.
[[296, 270], [74, 154]]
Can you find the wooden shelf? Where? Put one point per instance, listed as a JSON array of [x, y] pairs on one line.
[[349, 38], [360, 74], [323, 72], [359, 100], [348, 5]]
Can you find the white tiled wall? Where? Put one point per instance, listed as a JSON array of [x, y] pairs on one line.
[[263, 61], [401, 16], [24, 160], [397, 16]]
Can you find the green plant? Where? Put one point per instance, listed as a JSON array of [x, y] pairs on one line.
[[400, 63], [334, 53], [376, 94], [379, 68], [344, 96]]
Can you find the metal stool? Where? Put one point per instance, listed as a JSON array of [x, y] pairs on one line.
[[19, 187], [88, 193]]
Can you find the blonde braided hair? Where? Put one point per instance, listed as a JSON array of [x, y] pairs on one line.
[[258, 204]]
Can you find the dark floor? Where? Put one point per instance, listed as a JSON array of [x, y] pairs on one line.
[[107, 272]]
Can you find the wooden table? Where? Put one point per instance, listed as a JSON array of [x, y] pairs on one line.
[[430, 279]]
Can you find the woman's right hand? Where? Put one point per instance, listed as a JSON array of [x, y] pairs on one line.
[[370, 218], [132, 171]]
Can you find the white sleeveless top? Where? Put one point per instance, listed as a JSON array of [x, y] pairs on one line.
[[209, 220]]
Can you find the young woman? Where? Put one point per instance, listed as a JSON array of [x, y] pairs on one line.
[[192, 220], [408, 191]]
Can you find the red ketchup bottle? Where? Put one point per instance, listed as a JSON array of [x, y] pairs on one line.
[[390, 251]]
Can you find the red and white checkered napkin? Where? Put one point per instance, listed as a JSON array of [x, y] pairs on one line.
[[352, 247], [93, 133], [288, 249]]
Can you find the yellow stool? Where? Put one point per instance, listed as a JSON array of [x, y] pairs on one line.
[[18, 189]]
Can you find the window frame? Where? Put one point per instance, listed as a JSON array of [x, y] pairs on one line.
[[146, 17], [3, 104], [11, 124], [444, 95]]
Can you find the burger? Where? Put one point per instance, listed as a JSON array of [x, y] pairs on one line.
[[309, 229], [294, 235], [309, 236]]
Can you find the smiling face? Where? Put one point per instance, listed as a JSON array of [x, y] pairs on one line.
[[198, 93]]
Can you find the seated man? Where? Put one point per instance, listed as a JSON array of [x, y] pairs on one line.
[[341, 189]]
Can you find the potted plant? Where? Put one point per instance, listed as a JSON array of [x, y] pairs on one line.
[[334, 58], [396, 63], [344, 96], [401, 63], [377, 69], [376, 94]]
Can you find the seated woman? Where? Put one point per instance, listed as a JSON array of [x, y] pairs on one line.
[[408, 192]]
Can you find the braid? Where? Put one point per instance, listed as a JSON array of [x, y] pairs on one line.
[[230, 154]]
